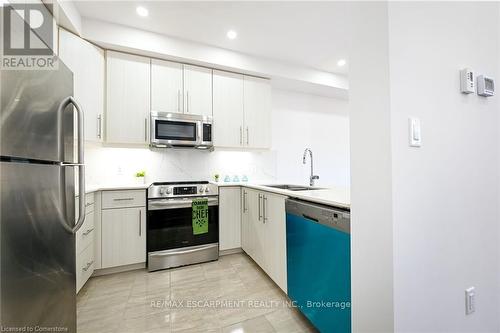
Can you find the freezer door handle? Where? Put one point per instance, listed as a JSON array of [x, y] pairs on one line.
[[79, 164]]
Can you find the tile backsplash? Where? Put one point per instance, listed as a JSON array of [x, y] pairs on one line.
[[109, 165]]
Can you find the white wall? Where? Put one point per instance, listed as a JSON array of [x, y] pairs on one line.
[[371, 187], [438, 221], [305, 121], [313, 116], [445, 194]]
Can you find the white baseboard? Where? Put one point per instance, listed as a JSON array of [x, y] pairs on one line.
[[230, 251], [119, 269]]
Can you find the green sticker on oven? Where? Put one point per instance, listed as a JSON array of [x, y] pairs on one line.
[[200, 216]]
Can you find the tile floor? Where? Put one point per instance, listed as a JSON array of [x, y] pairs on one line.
[[242, 298]]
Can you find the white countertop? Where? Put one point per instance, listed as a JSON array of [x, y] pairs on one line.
[[115, 187], [337, 197]]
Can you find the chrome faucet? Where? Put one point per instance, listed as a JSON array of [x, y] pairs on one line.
[[313, 177]]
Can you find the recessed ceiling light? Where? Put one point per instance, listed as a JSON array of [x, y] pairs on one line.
[[341, 62], [141, 11], [231, 34]]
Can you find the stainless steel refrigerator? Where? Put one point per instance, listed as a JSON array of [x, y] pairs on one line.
[[37, 187]]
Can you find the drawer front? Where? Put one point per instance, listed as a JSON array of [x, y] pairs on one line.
[[85, 235], [89, 207], [118, 199], [84, 266], [89, 198], [89, 203]]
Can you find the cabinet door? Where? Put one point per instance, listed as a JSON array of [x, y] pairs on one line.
[[257, 112], [257, 228], [123, 236], [245, 230], [197, 90], [229, 218], [166, 86], [228, 109], [128, 94], [86, 61], [249, 223], [275, 243]]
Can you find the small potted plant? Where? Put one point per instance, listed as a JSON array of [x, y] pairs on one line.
[[216, 177], [140, 177]]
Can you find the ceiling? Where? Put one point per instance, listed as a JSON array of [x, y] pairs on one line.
[[311, 34]]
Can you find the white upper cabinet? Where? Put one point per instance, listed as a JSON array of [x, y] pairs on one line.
[[86, 61], [257, 111], [128, 98], [197, 90], [228, 109], [166, 86]]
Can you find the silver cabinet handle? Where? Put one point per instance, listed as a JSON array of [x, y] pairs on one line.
[[244, 201], [247, 136], [241, 135], [79, 164], [264, 204], [99, 126], [85, 233], [260, 213], [87, 266], [146, 129], [179, 100], [187, 101], [140, 222], [123, 199]]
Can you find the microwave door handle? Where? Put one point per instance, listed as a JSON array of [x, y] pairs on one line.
[[200, 129], [79, 164], [179, 101]]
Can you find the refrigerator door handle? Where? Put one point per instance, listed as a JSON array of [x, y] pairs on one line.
[[79, 164]]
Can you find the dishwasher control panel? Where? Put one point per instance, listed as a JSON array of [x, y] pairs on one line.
[[329, 216]]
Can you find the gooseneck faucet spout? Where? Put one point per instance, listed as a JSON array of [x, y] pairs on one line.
[[313, 177]]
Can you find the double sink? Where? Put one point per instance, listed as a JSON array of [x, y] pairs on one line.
[[290, 187]]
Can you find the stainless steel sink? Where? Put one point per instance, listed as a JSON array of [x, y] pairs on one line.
[[290, 187]]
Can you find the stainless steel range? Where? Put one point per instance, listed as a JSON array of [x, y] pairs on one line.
[[171, 241]]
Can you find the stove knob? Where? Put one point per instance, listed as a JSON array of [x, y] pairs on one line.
[[169, 190], [202, 189], [207, 190], [162, 190]]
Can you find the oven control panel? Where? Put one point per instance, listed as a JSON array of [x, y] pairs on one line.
[[172, 190], [185, 190]]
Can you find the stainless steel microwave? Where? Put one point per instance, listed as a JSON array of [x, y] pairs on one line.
[[178, 130]]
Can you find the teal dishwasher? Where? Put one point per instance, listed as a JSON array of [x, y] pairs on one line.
[[319, 264]]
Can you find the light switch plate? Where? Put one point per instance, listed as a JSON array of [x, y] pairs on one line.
[[414, 132], [470, 300]]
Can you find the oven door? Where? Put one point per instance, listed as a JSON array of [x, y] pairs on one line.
[[175, 131], [169, 224]]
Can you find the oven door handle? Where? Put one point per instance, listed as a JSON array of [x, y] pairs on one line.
[[178, 203], [181, 251]]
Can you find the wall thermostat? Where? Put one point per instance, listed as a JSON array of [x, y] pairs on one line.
[[485, 86], [467, 84]]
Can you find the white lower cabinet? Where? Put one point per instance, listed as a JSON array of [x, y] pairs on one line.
[[275, 233], [263, 232], [84, 266], [113, 234], [123, 236], [84, 243], [229, 218]]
